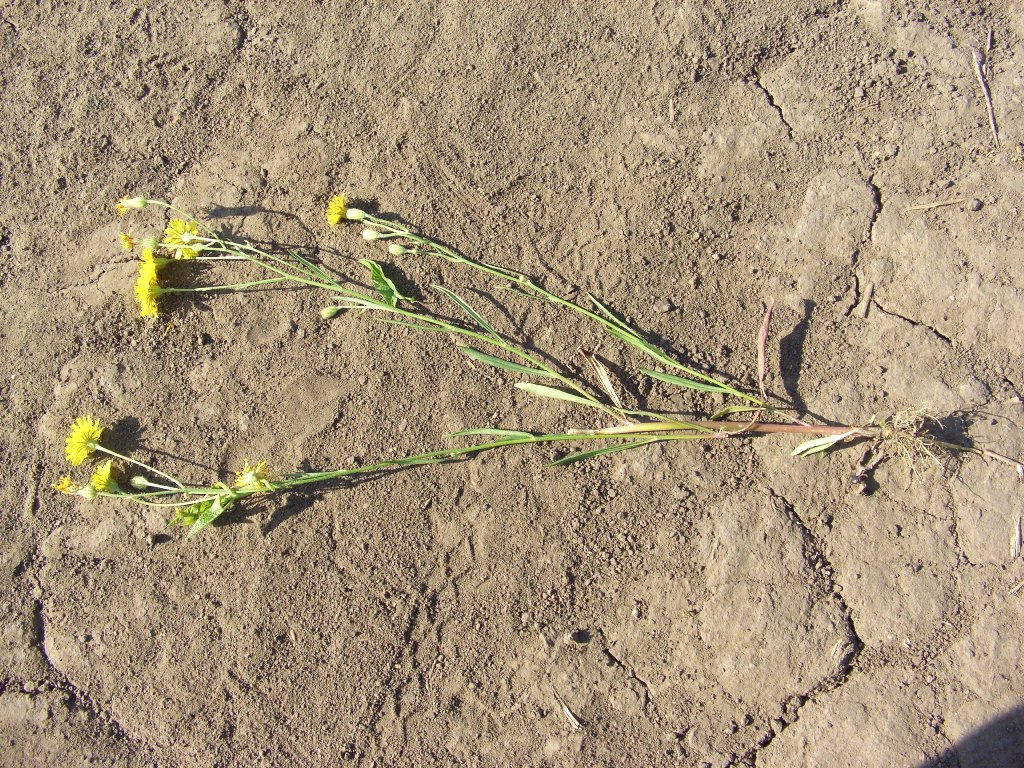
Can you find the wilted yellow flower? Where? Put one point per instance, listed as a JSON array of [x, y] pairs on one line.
[[253, 478], [335, 210], [178, 236], [64, 485], [83, 440], [146, 288], [129, 202], [101, 478], [127, 241]]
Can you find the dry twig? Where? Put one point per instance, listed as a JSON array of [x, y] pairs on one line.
[[980, 74]]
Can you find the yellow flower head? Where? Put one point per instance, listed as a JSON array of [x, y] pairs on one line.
[[127, 241], [253, 478], [336, 210], [102, 481], [129, 202], [149, 256], [146, 288], [179, 235], [83, 440], [64, 485]]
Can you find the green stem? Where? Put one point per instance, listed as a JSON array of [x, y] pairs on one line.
[[138, 463], [525, 283]]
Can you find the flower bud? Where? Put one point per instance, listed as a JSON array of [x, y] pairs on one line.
[[150, 243], [355, 214], [139, 482], [370, 234], [130, 202], [397, 250], [328, 312], [87, 492]]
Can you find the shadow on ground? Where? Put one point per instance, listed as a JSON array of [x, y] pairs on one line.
[[998, 744]]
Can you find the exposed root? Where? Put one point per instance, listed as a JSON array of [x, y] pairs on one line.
[[914, 434]]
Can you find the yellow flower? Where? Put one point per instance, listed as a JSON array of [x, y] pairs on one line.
[[178, 236], [127, 241], [149, 257], [129, 202], [64, 485], [253, 478], [102, 480], [146, 288], [336, 210], [83, 440]]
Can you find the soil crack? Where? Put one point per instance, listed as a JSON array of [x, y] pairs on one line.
[[848, 649], [774, 105], [628, 670], [77, 698], [917, 323], [876, 208]]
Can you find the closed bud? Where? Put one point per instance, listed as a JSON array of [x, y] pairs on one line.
[[355, 214], [370, 234], [397, 250], [328, 312], [139, 482]]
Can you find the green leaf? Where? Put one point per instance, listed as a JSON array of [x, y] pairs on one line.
[[217, 508], [497, 362], [819, 444], [629, 337], [382, 284], [573, 458], [729, 410], [417, 326], [557, 394], [314, 270], [612, 317], [492, 432], [679, 381], [355, 302], [477, 318]]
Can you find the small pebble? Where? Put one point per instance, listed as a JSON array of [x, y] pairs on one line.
[[663, 305], [974, 205]]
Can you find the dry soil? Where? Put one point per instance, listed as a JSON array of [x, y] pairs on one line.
[[677, 605]]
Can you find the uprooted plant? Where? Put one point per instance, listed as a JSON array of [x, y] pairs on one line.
[[742, 413]]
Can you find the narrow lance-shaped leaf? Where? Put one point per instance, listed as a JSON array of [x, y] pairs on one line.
[[556, 394], [477, 318], [583, 456], [729, 410], [492, 432], [497, 362], [679, 381], [819, 444]]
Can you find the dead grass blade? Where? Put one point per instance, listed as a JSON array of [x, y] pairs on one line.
[[603, 376]]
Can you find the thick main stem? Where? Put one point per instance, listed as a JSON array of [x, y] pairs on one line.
[[730, 427]]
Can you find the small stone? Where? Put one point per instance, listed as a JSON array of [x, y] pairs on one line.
[[859, 92], [663, 305], [974, 205]]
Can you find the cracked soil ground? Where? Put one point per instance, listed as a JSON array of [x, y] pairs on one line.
[[685, 161]]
